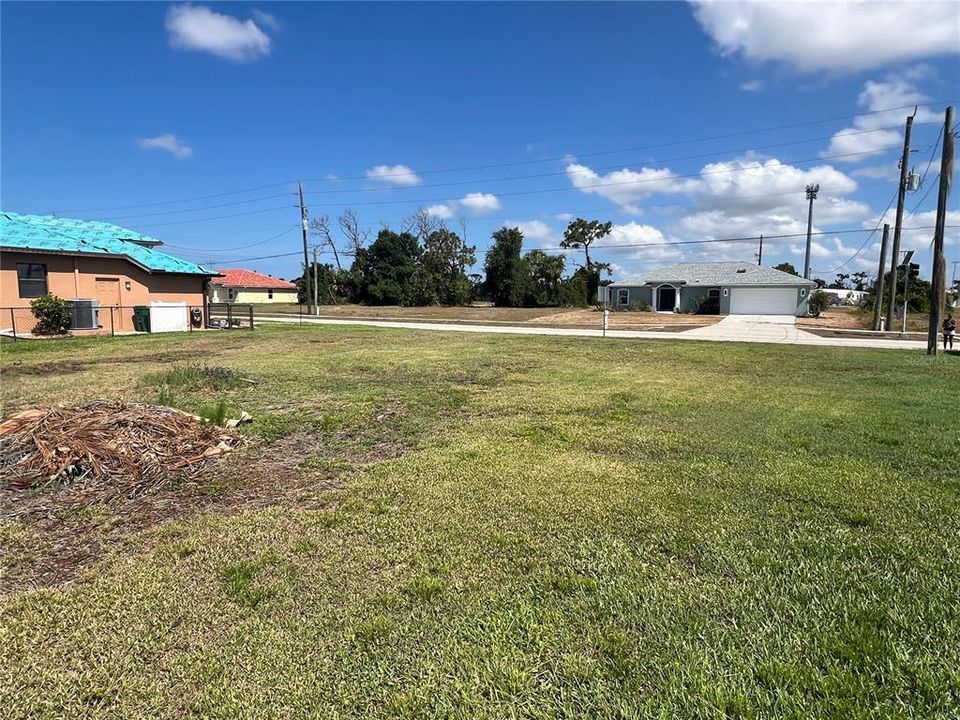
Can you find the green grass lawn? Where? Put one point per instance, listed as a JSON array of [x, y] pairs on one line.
[[517, 527]]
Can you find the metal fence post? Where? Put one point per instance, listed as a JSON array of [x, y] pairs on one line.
[[13, 323], [112, 331]]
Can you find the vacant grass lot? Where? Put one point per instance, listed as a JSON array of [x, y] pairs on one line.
[[561, 528], [485, 314]]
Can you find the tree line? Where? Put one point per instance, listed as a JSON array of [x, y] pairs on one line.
[[427, 263]]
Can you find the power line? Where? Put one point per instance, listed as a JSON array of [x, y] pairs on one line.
[[605, 167], [750, 239], [600, 185], [916, 207], [645, 147], [219, 217], [739, 133], [181, 200], [872, 233], [240, 247], [245, 201], [924, 177], [220, 233]]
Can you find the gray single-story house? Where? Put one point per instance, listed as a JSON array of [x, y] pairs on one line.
[[724, 288]]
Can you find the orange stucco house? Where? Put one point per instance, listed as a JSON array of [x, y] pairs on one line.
[[89, 260]]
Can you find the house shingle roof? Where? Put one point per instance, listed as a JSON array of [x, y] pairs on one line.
[[717, 273], [241, 278], [89, 237]]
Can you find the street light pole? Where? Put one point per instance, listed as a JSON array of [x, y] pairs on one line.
[[812, 191]]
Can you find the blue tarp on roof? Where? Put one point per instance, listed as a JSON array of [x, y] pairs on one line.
[[92, 237]]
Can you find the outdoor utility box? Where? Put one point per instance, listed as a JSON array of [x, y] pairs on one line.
[[141, 318], [169, 317], [83, 314]]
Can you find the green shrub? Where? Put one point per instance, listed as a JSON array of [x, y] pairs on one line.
[[52, 313], [215, 414], [708, 305], [819, 301]]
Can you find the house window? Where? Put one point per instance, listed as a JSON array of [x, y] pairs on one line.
[[230, 294], [713, 293], [269, 294], [32, 280], [623, 297]]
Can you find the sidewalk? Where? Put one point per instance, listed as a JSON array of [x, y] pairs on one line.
[[755, 332]]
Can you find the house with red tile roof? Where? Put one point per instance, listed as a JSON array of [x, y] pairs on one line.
[[238, 285]]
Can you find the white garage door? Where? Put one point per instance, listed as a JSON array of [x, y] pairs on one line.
[[763, 301]]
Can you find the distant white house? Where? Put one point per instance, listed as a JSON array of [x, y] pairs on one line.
[[845, 297]]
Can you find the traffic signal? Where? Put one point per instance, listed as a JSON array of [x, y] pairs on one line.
[[914, 270]]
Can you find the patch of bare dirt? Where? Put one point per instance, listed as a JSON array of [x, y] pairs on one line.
[[18, 369], [57, 537]]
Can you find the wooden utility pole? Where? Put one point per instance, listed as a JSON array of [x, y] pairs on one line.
[[938, 281], [878, 297], [901, 195], [306, 259], [760, 253]]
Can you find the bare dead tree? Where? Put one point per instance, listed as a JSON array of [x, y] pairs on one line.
[[463, 229], [422, 224], [321, 226], [350, 227]]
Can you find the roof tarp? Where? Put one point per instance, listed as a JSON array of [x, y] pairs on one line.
[[46, 233]]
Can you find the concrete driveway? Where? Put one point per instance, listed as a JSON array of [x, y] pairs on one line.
[[755, 328]]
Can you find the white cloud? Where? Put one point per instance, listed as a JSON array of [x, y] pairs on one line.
[[830, 250], [331, 177], [168, 142], [713, 224], [399, 175], [642, 242], [444, 212], [565, 217], [752, 86], [534, 230], [921, 239], [475, 203], [266, 20], [765, 185], [894, 91], [833, 37], [627, 187], [478, 202], [195, 27], [740, 186]]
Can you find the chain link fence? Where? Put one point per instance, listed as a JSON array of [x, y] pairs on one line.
[[21, 323]]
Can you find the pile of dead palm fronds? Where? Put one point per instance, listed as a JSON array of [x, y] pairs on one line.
[[112, 448]]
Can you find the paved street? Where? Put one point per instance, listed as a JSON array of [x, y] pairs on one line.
[[743, 328]]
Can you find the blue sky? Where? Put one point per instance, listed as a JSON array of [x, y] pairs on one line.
[[193, 122]]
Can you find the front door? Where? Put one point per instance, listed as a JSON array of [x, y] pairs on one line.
[[108, 291], [666, 299]]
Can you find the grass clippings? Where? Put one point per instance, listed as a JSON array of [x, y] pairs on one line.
[[106, 448]]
